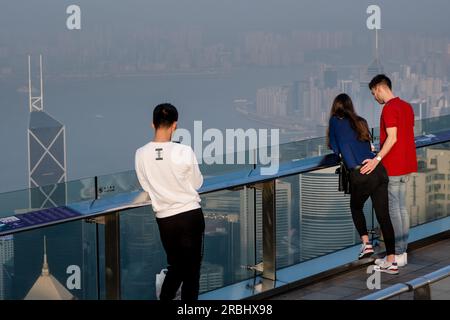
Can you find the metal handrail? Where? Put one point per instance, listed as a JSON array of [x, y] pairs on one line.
[[420, 286]]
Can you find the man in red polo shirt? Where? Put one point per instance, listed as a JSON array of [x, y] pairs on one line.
[[398, 154]]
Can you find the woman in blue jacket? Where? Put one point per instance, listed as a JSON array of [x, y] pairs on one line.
[[349, 137]]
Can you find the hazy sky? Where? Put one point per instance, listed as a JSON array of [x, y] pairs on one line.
[[49, 15]]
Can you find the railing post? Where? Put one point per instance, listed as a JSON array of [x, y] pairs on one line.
[[96, 187], [269, 235], [422, 293], [112, 256]]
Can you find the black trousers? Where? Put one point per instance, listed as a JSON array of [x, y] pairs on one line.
[[182, 239], [375, 186]]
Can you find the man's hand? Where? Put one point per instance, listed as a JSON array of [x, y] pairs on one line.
[[369, 165]]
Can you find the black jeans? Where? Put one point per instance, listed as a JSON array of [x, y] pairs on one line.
[[375, 186], [182, 239]]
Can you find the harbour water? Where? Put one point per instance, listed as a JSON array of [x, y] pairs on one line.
[[107, 118]]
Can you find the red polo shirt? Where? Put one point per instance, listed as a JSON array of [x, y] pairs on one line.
[[401, 159]]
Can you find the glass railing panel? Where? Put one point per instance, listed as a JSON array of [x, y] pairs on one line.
[[229, 245], [113, 184], [313, 217], [319, 146], [422, 127], [428, 190], [142, 255], [14, 202], [432, 125], [49, 196], [292, 151], [72, 263], [262, 156], [325, 219], [303, 149], [80, 190], [230, 237], [228, 163]]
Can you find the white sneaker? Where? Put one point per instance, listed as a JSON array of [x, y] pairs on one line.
[[387, 267], [400, 259], [380, 261]]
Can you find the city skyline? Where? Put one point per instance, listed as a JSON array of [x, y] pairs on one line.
[[114, 69]]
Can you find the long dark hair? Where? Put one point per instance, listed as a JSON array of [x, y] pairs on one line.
[[343, 108]]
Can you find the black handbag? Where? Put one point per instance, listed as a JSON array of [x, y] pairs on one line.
[[344, 178]]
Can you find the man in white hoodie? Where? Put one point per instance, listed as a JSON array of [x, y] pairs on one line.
[[170, 174]]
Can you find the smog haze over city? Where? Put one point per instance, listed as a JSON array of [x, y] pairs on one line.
[[230, 64]]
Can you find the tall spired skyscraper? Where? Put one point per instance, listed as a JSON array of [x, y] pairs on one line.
[[47, 287], [375, 66], [368, 107], [46, 151], [70, 243]]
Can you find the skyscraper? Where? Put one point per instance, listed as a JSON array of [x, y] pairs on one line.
[[420, 109], [141, 253], [272, 101], [223, 233], [330, 78], [428, 196], [211, 277], [247, 224], [304, 99], [368, 107], [46, 152], [326, 223], [346, 86], [6, 258], [47, 172]]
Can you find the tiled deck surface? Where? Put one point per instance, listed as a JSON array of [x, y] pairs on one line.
[[352, 285]]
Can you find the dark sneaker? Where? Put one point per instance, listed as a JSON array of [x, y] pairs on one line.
[[366, 251]]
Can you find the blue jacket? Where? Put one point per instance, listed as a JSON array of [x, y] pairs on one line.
[[344, 141]]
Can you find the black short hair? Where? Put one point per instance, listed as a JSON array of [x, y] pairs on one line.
[[164, 115], [380, 79]]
